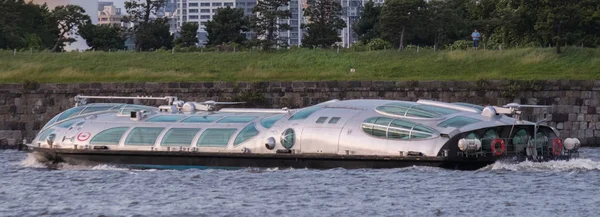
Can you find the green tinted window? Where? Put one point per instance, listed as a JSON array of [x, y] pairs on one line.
[[288, 138], [376, 126], [97, 108], [246, 133], [45, 134], [166, 118], [469, 105], [201, 119], [321, 120], [70, 113], [304, 113], [179, 137], [237, 119], [488, 137], [52, 121], [436, 109], [334, 120], [269, 121], [143, 135], [216, 137], [458, 121], [400, 129], [109, 137], [69, 123]]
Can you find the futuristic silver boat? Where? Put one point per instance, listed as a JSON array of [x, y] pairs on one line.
[[348, 134]]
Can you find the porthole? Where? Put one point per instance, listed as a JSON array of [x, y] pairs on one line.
[[488, 137], [288, 138]]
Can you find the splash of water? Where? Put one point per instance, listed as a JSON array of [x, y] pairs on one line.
[[579, 164], [31, 161]]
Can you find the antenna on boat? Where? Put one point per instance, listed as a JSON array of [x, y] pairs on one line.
[[82, 100]]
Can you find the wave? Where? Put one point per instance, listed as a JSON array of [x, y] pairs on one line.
[[31, 161], [579, 164]]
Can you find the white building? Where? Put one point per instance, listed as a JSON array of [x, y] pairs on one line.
[[200, 11]]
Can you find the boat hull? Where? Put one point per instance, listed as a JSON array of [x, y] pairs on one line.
[[184, 160]]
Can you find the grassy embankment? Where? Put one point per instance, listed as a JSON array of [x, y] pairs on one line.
[[315, 65]]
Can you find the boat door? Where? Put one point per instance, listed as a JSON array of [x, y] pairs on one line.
[[322, 130]]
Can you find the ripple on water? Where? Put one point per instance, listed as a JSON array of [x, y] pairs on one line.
[[501, 189]]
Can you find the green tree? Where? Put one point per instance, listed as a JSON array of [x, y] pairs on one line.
[[189, 35], [399, 18], [367, 27], [325, 21], [265, 23], [103, 37], [26, 25], [227, 26], [558, 18], [68, 17], [443, 21], [154, 35], [139, 12]]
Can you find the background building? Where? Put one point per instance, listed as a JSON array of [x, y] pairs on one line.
[[110, 15]]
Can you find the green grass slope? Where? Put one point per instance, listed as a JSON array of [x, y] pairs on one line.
[[295, 65]]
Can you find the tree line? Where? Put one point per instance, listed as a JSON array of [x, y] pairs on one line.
[[397, 23]]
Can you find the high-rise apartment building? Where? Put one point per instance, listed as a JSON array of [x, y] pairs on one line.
[[110, 15], [201, 11]]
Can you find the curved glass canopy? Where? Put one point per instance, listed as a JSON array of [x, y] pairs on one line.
[[396, 129], [401, 109]]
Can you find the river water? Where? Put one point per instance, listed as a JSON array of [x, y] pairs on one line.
[[559, 188]]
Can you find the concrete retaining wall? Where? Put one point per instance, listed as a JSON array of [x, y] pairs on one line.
[[24, 108]]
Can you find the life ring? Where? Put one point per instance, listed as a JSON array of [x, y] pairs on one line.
[[557, 146], [502, 149]]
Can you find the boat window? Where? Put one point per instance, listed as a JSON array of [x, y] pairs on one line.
[[269, 121], [179, 137], [288, 138], [45, 134], [70, 113], [458, 122], [400, 129], [321, 120], [166, 118], [396, 129], [52, 121], [488, 137], [469, 105], [304, 113], [143, 135], [246, 133], [237, 119], [68, 123], [334, 120], [201, 119], [100, 107], [405, 112], [215, 137], [436, 109], [110, 136]]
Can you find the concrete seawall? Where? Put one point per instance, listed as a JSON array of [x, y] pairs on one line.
[[24, 108]]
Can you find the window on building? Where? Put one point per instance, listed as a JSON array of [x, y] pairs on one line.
[[143, 136], [217, 4], [193, 17], [215, 137], [205, 4], [230, 4], [179, 137], [250, 3], [249, 10], [110, 136], [204, 16], [193, 5], [193, 10], [241, 3], [246, 133], [205, 10]]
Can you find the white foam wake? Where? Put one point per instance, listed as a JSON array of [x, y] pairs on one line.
[[579, 164], [31, 161]]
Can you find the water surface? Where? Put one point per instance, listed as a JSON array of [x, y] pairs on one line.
[[558, 188]]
